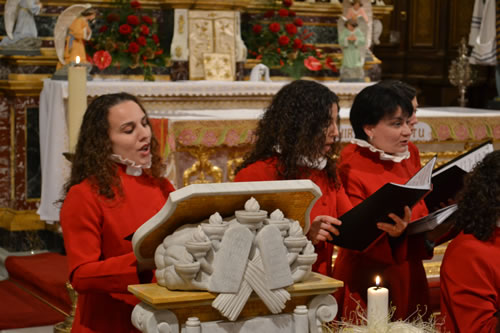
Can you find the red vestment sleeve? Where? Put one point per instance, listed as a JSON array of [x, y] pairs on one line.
[[470, 284], [81, 217]]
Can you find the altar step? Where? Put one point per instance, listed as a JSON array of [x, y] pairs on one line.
[[34, 295]]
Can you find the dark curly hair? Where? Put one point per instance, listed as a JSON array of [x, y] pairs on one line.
[[479, 200], [295, 123], [374, 103], [91, 160]]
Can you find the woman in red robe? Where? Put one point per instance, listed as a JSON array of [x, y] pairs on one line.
[[115, 186], [470, 272], [297, 138], [380, 153]]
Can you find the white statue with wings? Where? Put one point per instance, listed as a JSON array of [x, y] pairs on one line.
[[71, 31], [20, 26], [352, 37]]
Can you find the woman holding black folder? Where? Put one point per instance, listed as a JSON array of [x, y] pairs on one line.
[[297, 138], [380, 153]]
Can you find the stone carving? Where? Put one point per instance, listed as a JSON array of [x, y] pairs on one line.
[[22, 35], [247, 252]]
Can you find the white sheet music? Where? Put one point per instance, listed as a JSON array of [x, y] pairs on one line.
[[423, 177], [469, 160]]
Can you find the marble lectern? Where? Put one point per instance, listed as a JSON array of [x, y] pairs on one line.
[[233, 256]]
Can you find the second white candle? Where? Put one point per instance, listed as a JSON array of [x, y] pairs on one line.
[[378, 308]]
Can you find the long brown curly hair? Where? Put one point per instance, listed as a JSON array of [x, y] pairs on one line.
[[479, 201], [91, 160], [295, 124]]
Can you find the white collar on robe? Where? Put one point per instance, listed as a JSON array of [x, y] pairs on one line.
[[319, 163], [132, 168], [396, 158]]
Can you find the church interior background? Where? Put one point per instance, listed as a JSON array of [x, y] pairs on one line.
[[419, 41]]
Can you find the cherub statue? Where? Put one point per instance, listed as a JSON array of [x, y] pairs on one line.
[[20, 26], [352, 41], [71, 31]]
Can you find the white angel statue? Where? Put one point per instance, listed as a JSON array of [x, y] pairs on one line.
[[71, 31], [20, 26], [356, 9], [352, 40]]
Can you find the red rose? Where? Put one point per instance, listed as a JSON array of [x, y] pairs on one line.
[[259, 57], [291, 28], [297, 43], [291, 13], [282, 63], [155, 38], [125, 29], [287, 3], [141, 40], [269, 13], [147, 19], [144, 29], [283, 40], [104, 28], [135, 4], [274, 27], [132, 20], [283, 12], [159, 51], [278, 50], [257, 28], [112, 17], [298, 22], [133, 47], [312, 63], [330, 64], [102, 59]]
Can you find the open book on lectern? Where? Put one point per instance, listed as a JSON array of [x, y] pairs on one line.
[[447, 180], [359, 225]]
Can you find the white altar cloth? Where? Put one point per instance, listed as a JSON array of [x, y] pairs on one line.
[[53, 130]]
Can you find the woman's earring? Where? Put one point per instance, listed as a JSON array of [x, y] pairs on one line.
[[371, 137]]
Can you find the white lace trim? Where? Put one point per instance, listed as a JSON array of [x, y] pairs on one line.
[[132, 168], [319, 164], [396, 158]]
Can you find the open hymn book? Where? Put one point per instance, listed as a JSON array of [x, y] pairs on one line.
[[359, 225], [447, 180]]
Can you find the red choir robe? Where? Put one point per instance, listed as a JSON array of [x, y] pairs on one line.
[[333, 202], [470, 284], [398, 261], [101, 261]]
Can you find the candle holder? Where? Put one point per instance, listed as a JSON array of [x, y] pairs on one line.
[[62, 73]]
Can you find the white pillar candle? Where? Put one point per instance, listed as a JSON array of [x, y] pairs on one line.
[[378, 308], [77, 101]]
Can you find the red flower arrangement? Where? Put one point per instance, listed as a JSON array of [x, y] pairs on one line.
[[128, 39], [279, 39]]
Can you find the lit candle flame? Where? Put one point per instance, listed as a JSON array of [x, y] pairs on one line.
[[377, 280], [77, 60]]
